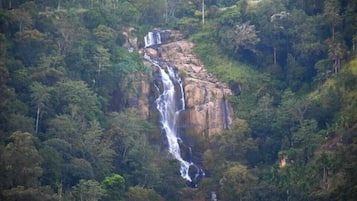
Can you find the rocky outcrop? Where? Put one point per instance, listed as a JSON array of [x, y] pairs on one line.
[[137, 86], [207, 110], [131, 41]]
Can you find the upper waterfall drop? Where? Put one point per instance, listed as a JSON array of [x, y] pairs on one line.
[[156, 37], [152, 38]]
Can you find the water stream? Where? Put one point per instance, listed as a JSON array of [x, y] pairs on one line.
[[170, 103]]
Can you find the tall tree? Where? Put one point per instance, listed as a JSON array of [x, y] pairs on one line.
[[137, 193], [88, 190], [236, 182], [171, 6], [76, 99], [102, 57], [332, 15], [105, 35], [40, 95], [43, 193], [97, 150], [336, 52], [20, 162], [151, 10], [29, 44], [114, 187], [23, 19], [245, 37]]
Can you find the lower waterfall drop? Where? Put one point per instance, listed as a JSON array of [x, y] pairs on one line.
[[170, 104]]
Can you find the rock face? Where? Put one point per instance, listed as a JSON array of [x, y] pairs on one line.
[[138, 89], [131, 41], [207, 110]]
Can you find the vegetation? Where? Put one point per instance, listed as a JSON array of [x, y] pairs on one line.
[[67, 133]]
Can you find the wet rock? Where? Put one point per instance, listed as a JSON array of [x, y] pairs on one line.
[[207, 111], [152, 52]]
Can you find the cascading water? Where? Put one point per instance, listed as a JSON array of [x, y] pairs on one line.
[[170, 104]]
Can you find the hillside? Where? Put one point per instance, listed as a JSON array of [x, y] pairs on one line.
[[72, 74]]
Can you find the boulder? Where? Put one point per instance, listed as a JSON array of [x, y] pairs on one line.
[[151, 52]]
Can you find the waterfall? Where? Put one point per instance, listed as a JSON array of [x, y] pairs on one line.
[[226, 119], [152, 38], [170, 103]]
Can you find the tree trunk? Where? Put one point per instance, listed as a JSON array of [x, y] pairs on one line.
[[60, 190], [37, 119], [203, 12], [274, 55], [325, 185]]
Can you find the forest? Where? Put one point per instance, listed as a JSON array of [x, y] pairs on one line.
[[67, 131]]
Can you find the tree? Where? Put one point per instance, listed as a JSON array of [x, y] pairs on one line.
[[77, 169], [49, 69], [236, 182], [306, 139], [57, 157], [102, 57], [236, 143], [105, 35], [129, 135], [76, 99], [137, 193], [270, 18], [97, 150], [171, 6], [88, 190], [307, 46], [245, 37], [6, 92], [29, 44], [293, 108], [332, 15], [151, 10], [21, 162], [69, 30], [53, 162], [19, 122], [128, 13], [66, 128], [23, 18], [336, 52], [40, 95], [114, 187], [261, 119], [277, 21], [43, 193], [241, 37], [326, 165]]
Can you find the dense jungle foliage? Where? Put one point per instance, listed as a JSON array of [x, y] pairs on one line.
[[67, 133]]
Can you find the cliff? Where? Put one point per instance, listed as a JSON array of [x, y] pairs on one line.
[[207, 110]]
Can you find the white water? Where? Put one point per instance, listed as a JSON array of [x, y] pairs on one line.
[[152, 38], [169, 112]]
